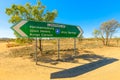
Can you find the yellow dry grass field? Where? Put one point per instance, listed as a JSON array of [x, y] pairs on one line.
[[93, 61]]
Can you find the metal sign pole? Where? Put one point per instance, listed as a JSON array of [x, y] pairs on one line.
[[74, 47], [58, 49], [36, 52]]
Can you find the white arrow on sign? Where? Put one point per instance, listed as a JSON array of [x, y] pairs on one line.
[[81, 32], [18, 26]]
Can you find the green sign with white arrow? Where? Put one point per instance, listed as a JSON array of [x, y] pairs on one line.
[[35, 29]]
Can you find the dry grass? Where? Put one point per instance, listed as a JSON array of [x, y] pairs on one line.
[[50, 47], [21, 51], [11, 45]]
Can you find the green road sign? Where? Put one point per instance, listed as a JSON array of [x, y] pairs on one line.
[[33, 29]]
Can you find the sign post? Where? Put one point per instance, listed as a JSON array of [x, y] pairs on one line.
[[74, 47], [58, 49], [34, 29], [36, 52]]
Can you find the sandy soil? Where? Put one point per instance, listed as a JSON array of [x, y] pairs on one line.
[[25, 69]]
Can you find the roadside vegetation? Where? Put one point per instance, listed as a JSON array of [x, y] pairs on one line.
[[49, 47]]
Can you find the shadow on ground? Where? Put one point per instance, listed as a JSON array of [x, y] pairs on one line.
[[96, 61], [79, 70], [67, 56], [90, 57]]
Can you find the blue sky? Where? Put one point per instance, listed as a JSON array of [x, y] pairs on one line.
[[89, 14]]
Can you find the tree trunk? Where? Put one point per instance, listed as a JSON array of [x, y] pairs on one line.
[[40, 46], [103, 42], [106, 42], [106, 39]]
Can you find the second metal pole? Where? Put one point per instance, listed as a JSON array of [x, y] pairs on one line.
[[74, 47], [58, 49], [36, 52]]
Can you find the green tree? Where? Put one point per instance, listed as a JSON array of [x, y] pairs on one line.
[[96, 33], [106, 31], [30, 12]]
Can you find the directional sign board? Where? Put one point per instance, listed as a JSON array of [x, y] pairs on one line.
[[35, 29]]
